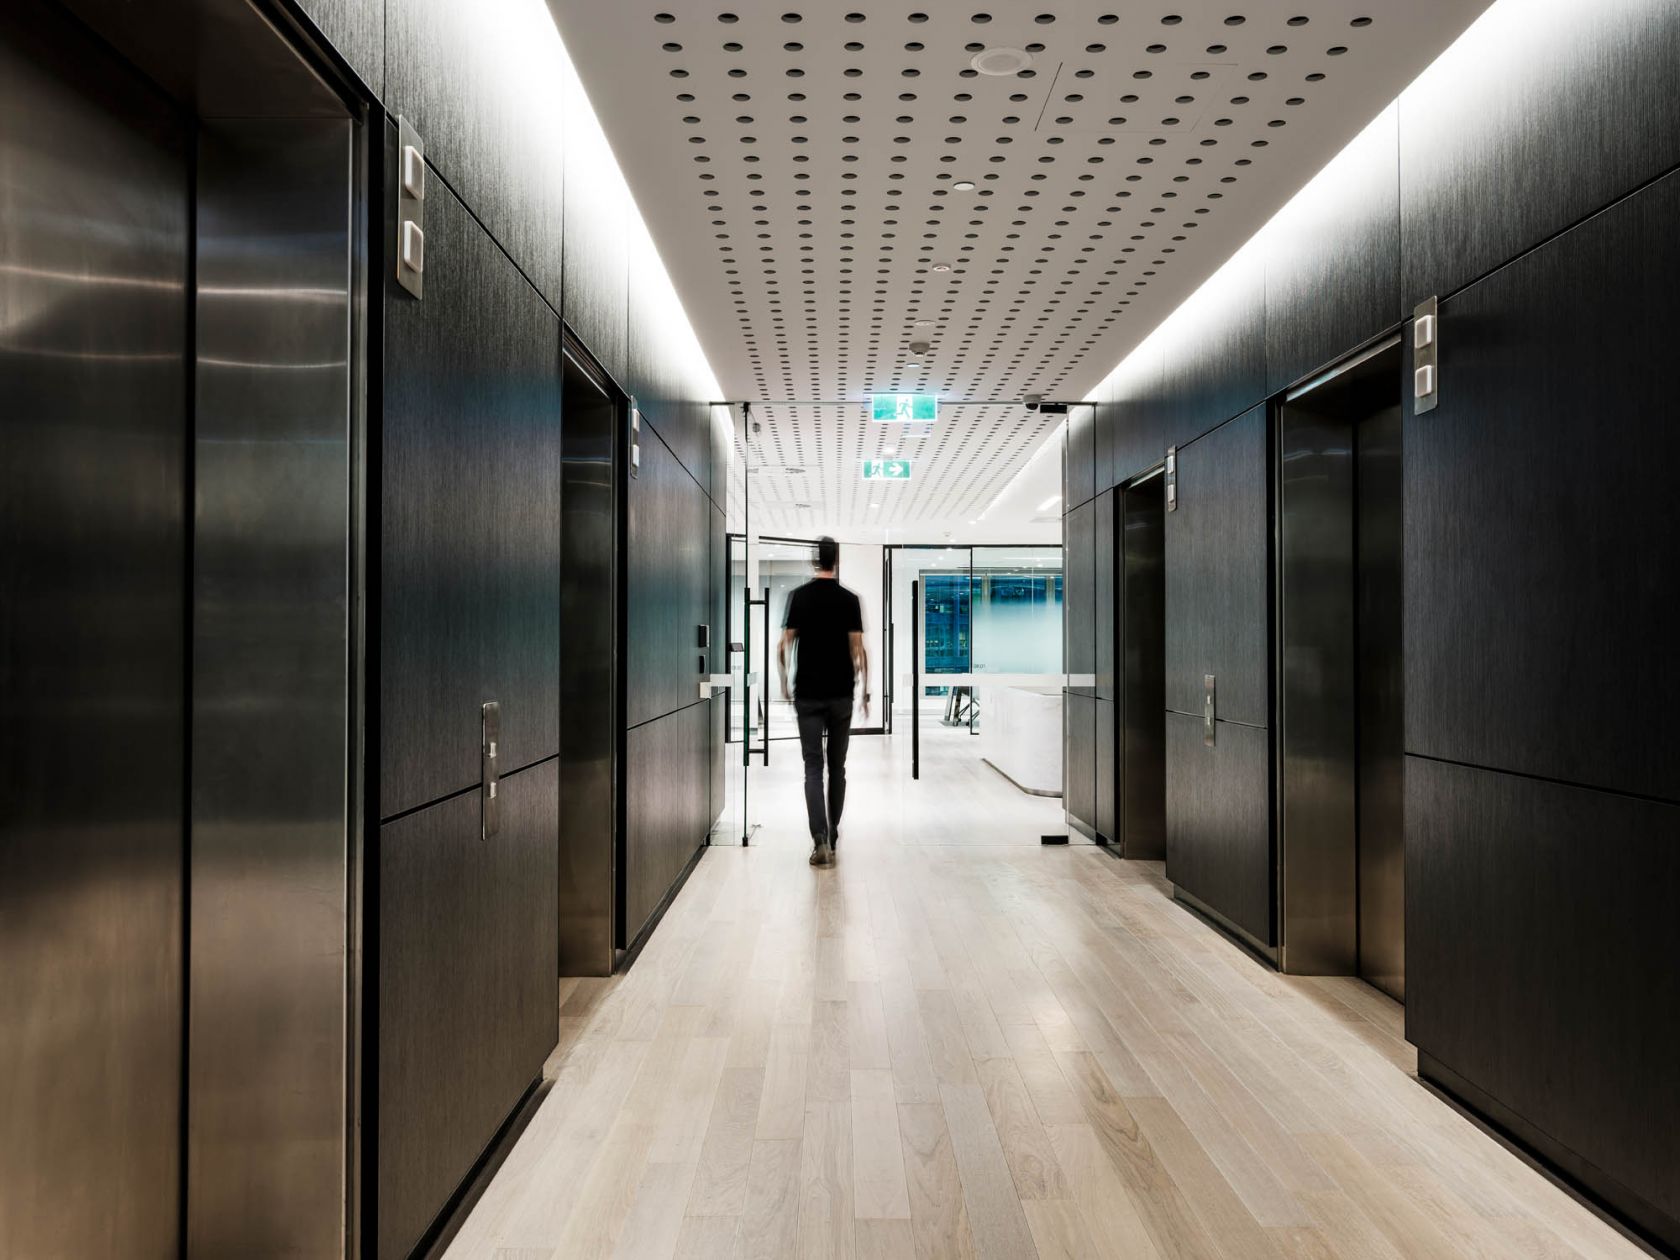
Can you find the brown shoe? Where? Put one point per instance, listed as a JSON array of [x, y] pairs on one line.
[[822, 855]]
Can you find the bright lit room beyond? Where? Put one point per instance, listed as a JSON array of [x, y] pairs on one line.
[[723, 631]]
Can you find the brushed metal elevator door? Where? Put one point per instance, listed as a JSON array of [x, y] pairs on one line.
[[94, 242], [588, 686], [1382, 736]]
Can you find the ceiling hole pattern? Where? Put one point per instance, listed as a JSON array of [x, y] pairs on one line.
[[819, 173]]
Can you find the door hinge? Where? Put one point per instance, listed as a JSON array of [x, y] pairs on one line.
[[411, 208], [489, 774], [1172, 478], [1426, 375], [1208, 715], [635, 440]]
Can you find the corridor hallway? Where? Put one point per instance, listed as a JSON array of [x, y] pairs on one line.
[[959, 1042]]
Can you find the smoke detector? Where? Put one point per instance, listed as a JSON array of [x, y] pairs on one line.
[[999, 62]]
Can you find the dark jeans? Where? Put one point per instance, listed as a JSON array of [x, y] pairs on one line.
[[817, 718]]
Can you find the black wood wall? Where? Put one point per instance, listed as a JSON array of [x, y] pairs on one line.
[[524, 231], [1527, 180]]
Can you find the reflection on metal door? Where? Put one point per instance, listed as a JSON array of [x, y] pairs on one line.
[[94, 194]]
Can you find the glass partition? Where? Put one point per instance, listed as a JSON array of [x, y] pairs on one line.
[[983, 610], [1017, 610]]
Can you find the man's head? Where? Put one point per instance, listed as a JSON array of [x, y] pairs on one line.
[[828, 555]]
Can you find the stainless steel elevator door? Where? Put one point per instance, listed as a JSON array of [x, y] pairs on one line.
[[94, 241], [1341, 766], [269, 869], [588, 675], [1382, 736], [1143, 774]]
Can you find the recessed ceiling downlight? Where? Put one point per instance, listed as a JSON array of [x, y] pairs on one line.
[[964, 185], [999, 62]]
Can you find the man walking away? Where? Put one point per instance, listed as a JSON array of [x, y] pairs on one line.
[[826, 621]]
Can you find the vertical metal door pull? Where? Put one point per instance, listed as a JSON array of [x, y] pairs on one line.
[[489, 776], [1207, 710]]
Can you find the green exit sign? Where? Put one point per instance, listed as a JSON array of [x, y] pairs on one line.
[[886, 470], [903, 408]]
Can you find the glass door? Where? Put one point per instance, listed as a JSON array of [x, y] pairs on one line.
[[743, 632], [784, 564]]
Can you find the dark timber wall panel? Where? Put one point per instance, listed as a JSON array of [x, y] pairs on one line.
[[1214, 366], [1103, 432], [466, 985], [1139, 441], [596, 247], [1079, 563], [1541, 538], [482, 83], [667, 401], [1080, 771], [668, 575], [471, 517], [1217, 576], [356, 28], [1081, 456], [1105, 771], [667, 795], [718, 425], [1578, 108], [1541, 945], [1104, 592], [1219, 836], [1333, 280]]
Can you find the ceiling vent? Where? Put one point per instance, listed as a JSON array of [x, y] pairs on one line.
[[999, 62]]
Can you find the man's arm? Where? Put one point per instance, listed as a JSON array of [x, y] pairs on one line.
[[788, 636], [860, 666]]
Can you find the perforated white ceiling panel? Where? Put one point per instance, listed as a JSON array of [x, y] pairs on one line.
[[799, 167]]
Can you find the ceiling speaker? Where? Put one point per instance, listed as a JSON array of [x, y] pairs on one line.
[[1001, 61]]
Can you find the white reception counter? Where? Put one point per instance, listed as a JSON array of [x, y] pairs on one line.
[[1021, 736]]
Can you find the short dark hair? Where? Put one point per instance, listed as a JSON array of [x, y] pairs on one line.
[[828, 553]]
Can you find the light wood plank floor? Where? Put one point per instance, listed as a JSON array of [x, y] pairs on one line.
[[960, 1043]]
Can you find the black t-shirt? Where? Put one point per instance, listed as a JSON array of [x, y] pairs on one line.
[[825, 615]]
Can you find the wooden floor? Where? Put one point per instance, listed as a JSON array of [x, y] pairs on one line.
[[960, 1043]]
